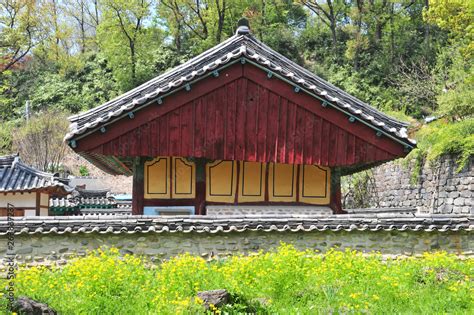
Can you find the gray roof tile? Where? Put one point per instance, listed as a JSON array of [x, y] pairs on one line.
[[118, 224], [16, 176]]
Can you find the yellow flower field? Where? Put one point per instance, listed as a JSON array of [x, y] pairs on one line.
[[285, 281]]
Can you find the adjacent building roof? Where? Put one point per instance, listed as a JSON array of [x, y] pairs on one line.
[[213, 224], [89, 201], [82, 202], [15, 176], [89, 205], [247, 48]]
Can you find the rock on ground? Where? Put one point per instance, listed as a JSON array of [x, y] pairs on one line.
[[216, 297], [27, 306]]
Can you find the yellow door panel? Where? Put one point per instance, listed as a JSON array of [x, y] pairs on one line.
[[252, 182], [315, 183], [157, 178], [221, 178], [183, 179], [282, 182]]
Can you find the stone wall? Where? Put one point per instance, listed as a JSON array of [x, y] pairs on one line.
[[267, 210], [57, 249], [438, 189]]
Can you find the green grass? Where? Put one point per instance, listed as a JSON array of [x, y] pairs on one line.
[[285, 281]]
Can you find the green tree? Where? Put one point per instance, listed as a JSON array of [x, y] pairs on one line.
[[20, 30], [127, 41], [40, 141], [455, 63]]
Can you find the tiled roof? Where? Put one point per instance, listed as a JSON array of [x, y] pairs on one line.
[[92, 193], [207, 224], [245, 47], [81, 201], [113, 211], [89, 205], [18, 177]]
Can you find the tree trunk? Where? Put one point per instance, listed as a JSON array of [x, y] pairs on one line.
[[133, 59], [427, 29], [83, 30], [332, 21], [220, 23], [334, 37]]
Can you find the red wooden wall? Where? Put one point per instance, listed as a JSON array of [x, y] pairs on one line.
[[244, 115]]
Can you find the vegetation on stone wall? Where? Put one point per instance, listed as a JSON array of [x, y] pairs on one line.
[[441, 138], [279, 282]]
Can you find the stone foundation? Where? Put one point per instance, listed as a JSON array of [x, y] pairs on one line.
[[222, 210], [57, 249]]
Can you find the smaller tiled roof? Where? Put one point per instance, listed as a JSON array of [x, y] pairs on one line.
[[227, 224], [15, 176], [98, 202], [92, 193], [89, 205], [110, 212]]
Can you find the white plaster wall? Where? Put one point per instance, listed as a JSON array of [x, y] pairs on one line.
[[44, 200], [30, 213], [18, 200]]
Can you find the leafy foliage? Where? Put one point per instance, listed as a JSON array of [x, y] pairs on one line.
[[441, 138], [83, 171], [278, 282]]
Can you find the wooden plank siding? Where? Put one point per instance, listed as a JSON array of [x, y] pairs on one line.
[[244, 116]]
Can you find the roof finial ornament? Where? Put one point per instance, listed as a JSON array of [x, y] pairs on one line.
[[243, 27]]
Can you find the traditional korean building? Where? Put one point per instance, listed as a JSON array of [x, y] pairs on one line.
[[26, 189], [239, 125]]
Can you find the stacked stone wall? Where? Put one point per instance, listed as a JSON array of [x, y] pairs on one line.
[[57, 249], [439, 188]]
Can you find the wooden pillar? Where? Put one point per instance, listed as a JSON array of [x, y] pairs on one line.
[[38, 203], [200, 199], [138, 186], [335, 203]]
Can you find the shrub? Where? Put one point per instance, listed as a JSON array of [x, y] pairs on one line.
[[83, 171]]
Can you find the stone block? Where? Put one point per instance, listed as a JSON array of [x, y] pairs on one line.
[[454, 194], [466, 194], [459, 201], [24, 250]]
